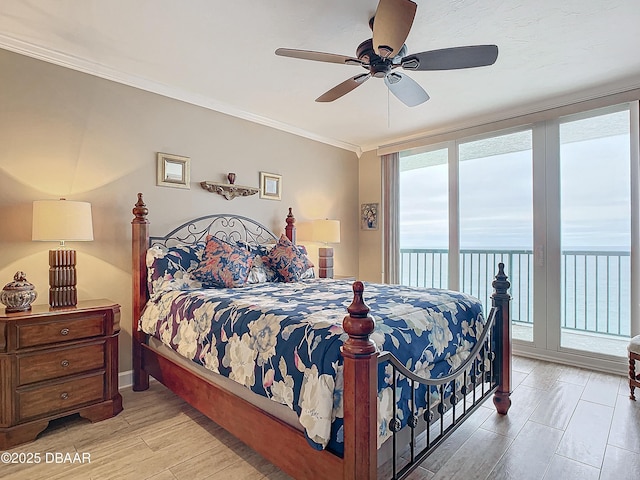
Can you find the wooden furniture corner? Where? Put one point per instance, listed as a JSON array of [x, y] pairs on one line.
[[634, 356]]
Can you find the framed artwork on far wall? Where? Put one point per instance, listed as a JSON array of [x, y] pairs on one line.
[[173, 171], [369, 216], [270, 186]]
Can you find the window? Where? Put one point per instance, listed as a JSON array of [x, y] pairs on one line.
[[554, 201], [424, 219], [496, 224], [595, 212]]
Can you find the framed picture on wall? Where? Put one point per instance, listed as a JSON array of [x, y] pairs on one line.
[[173, 171], [369, 216], [270, 186]]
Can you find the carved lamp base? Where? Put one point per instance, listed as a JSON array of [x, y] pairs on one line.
[[325, 260], [62, 278]]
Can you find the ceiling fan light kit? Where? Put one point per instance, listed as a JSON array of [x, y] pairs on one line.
[[386, 51]]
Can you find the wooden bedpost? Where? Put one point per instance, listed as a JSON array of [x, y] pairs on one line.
[[290, 229], [501, 299], [140, 243], [360, 391]]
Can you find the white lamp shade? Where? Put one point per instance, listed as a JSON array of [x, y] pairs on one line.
[[62, 220], [326, 231]]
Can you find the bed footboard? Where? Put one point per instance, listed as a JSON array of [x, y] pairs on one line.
[[360, 394], [485, 372], [501, 300]]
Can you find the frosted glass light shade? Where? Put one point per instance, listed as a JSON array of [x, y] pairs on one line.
[[62, 220], [326, 231]]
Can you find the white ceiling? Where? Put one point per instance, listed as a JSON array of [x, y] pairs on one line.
[[220, 54]]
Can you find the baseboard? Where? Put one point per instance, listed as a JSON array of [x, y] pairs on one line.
[[125, 379], [606, 365]]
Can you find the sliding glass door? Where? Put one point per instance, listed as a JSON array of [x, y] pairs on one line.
[[494, 224], [556, 202], [496, 221], [595, 212], [424, 218]]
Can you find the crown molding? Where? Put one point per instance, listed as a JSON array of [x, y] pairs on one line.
[[102, 71]]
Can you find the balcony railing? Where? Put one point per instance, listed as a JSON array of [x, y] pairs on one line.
[[595, 284]]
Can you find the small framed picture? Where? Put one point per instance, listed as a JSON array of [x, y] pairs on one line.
[[173, 171], [270, 186], [369, 216]]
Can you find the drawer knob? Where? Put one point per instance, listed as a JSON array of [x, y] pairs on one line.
[[64, 363], [64, 331], [64, 395]]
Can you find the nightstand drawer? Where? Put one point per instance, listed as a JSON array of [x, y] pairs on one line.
[[59, 363], [63, 330], [60, 396]]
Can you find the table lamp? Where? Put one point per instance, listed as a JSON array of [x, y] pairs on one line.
[[326, 231], [62, 221]]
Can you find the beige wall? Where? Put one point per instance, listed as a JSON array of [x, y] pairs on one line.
[[64, 133], [369, 187]]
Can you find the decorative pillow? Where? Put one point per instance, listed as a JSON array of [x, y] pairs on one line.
[[288, 261], [260, 271], [223, 264], [310, 273], [171, 268]]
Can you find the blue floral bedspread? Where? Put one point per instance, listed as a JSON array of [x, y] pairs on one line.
[[282, 340]]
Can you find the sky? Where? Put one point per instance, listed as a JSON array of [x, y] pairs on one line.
[[496, 198]]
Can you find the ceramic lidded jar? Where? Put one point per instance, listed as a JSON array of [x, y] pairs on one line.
[[19, 294]]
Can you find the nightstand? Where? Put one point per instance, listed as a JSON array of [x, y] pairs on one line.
[[55, 362]]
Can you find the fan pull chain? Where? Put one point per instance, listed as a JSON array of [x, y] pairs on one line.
[[388, 109]]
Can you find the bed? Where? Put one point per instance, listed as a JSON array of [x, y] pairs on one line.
[[323, 394]]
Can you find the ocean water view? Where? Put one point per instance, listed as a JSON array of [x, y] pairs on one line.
[[595, 290]]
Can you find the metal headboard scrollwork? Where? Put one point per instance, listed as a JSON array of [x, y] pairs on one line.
[[231, 228]]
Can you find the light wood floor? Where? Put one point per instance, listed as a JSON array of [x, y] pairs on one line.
[[565, 423]]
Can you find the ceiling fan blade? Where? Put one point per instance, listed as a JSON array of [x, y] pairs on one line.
[[318, 56], [452, 58], [406, 89], [343, 88], [391, 25]]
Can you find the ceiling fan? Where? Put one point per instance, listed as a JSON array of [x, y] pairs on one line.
[[386, 51]]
